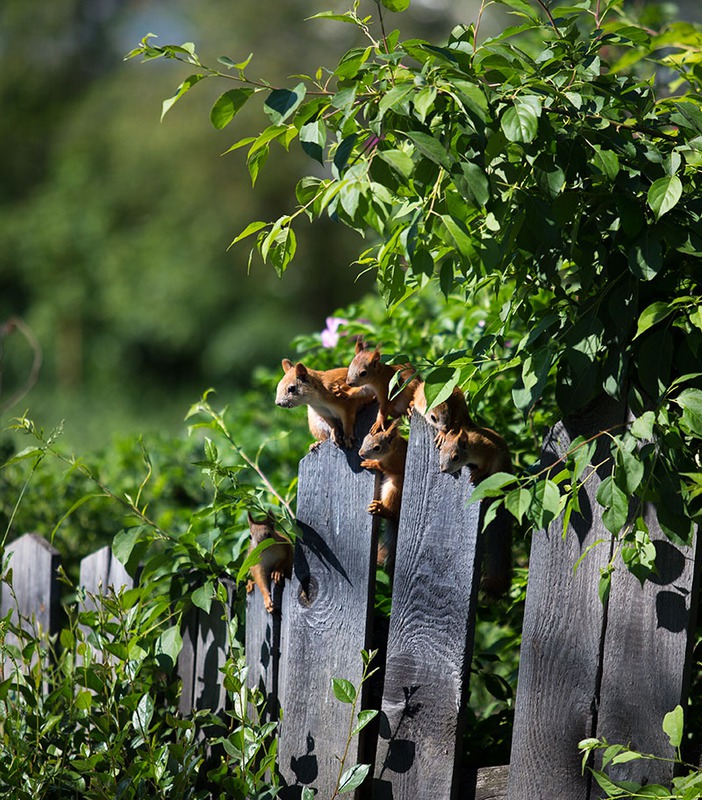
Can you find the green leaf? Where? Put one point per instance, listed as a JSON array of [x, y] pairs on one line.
[[184, 87], [517, 502], [124, 542], [353, 777], [364, 718], [690, 400], [646, 257], [281, 103], [344, 690], [604, 585], [607, 162], [545, 503], [492, 486], [664, 195], [313, 138], [439, 383], [642, 427], [520, 123], [475, 187], [673, 726], [431, 148], [202, 596], [615, 503], [227, 106], [169, 644], [141, 718], [652, 315], [400, 161], [396, 5], [252, 227]]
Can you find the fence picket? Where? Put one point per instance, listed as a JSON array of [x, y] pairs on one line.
[[431, 630], [101, 571], [326, 613], [560, 661], [648, 640]]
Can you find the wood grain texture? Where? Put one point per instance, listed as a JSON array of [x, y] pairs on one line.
[[33, 562], [648, 641], [326, 613], [558, 683], [101, 571], [204, 651], [34, 598], [263, 647], [431, 630]]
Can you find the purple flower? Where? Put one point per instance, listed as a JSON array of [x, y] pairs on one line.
[[330, 335]]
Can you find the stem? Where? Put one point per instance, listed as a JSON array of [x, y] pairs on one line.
[[13, 324]]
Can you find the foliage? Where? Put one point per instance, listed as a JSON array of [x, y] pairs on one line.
[[95, 713], [555, 165], [685, 787]]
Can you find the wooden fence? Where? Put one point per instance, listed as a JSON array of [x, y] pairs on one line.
[[585, 669]]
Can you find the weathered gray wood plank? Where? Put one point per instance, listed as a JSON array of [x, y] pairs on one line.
[[648, 642], [101, 571], [559, 676], [326, 613], [34, 596], [263, 647], [33, 562], [430, 641]]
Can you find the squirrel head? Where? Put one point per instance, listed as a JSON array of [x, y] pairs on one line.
[[454, 453], [291, 387], [363, 366], [376, 445], [260, 530]]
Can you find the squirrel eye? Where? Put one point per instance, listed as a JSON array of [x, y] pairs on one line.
[[292, 389], [377, 448], [454, 457], [432, 417]]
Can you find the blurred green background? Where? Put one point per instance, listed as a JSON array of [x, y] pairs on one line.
[[114, 227]]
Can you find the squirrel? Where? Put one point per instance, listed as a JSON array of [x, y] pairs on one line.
[[367, 370], [486, 453], [331, 404], [276, 559], [386, 452], [482, 449], [451, 415]]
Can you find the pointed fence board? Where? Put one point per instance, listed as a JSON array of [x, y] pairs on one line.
[[263, 646], [101, 571], [204, 652], [432, 624], [35, 592], [326, 614], [648, 641], [562, 637]]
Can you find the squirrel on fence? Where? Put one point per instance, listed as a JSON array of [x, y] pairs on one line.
[[275, 562], [332, 404], [367, 370], [485, 452], [386, 452], [451, 415]]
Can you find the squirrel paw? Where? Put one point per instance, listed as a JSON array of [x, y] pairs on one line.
[[341, 390], [375, 507], [439, 438], [249, 587], [377, 426], [268, 603], [315, 445], [277, 576]]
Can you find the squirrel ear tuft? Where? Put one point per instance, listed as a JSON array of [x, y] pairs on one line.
[[360, 345], [300, 370], [376, 355], [287, 364], [250, 518]]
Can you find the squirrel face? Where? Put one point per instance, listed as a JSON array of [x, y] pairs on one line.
[[363, 366], [376, 445], [454, 453], [292, 387]]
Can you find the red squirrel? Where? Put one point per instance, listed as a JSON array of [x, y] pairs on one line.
[[484, 452], [331, 404], [367, 370], [451, 415], [386, 452], [275, 562]]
